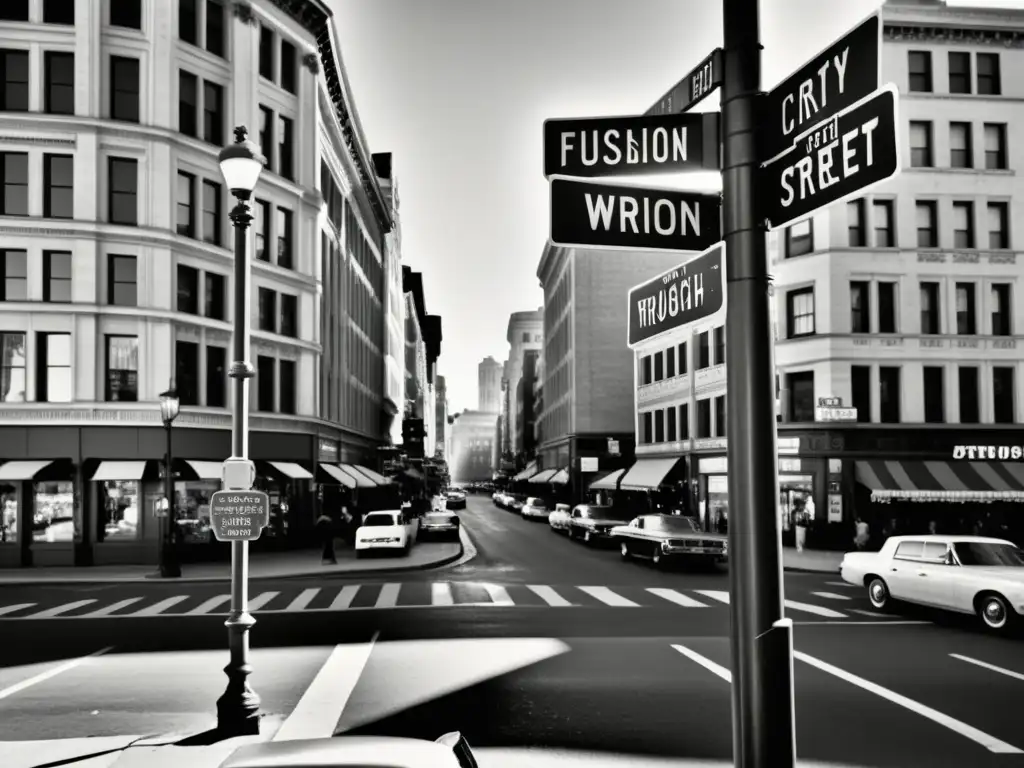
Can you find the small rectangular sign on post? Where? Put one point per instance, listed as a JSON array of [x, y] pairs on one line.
[[239, 515], [698, 83], [600, 215]]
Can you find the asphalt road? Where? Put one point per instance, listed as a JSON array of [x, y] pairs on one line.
[[484, 648]]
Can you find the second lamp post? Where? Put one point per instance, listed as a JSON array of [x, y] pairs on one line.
[[169, 565]]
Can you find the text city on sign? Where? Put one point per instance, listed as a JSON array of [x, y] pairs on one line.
[[239, 515]]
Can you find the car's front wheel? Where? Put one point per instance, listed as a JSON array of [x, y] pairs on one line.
[[878, 593], [994, 612]]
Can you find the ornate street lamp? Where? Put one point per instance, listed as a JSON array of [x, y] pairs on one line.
[[169, 565]]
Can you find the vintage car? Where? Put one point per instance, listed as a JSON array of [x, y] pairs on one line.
[[385, 530], [966, 574], [440, 523], [559, 518], [669, 537], [455, 500], [591, 523]]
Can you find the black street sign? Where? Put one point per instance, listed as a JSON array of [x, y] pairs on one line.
[[589, 215], [848, 70], [684, 295], [840, 159], [621, 146], [702, 80]]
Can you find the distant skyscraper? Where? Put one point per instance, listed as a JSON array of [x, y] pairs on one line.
[[489, 374]]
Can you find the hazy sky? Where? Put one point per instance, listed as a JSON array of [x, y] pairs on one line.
[[458, 91]]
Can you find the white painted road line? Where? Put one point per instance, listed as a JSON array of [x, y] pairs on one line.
[[991, 743], [817, 610], [388, 597], [16, 607], [109, 609], [260, 600], [831, 596], [715, 594], [608, 597], [705, 662], [344, 598], [549, 596], [301, 602], [18, 687], [321, 706], [61, 609], [209, 605], [160, 607], [441, 593], [986, 665], [499, 595], [676, 597]]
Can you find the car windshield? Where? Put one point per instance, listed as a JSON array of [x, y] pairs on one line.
[[985, 553], [376, 519], [677, 525]]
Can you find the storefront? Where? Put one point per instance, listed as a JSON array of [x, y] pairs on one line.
[[584, 457]]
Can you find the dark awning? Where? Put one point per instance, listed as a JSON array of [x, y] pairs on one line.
[[941, 480]]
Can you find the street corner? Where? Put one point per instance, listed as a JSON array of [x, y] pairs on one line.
[[424, 555]]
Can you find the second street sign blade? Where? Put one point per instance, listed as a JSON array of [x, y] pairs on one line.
[[698, 83], [599, 215]]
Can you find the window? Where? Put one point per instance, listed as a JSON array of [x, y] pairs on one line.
[[14, 65], [995, 146], [934, 395], [801, 396], [213, 304], [1001, 309], [124, 186], [889, 394], [267, 310], [659, 426], [267, 136], [927, 226], [124, 89], [703, 352], [216, 376], [14, 268], [57, 277], [212, 224], [188, 103], [921, 144], [266, 53], [188, 289], [671, 427], [185, 223], [961, 149], [215, 27], [14, 10], [286, 371], [959, 72], [860, 306], [670, 362], [265, 383], [704, 418], [59, 97], [720, 345], [720, 425], [963, 225], [59, 12], [59, 186], [285, 159], [659, 367], [126, 13], [122, 286], [647, 436], [998, 226], [289, 315], [122, 369], [681, 353], [855, 223], [14, 167], [989, 80], [646, 377], [920, 69], [188, 21], [860, 391], [965, 317], [887, 307], [799, 239], [800, 313], [261, 226], [1003, 395], [969, 408], [186, 371], [53, 368], [288, 67], [885, 236], [684, 421], [930, 308], [213, 113], [12, 367], [284, 238]]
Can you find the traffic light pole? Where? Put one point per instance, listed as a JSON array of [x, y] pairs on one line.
[[762, 639]]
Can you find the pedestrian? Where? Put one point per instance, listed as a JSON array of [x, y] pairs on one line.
[[862, 535], [933, 527], [325, 527]]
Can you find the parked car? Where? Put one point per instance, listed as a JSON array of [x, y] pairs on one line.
[[559, 518], [515, 503], [384, 530], [592, 523], [441, 523], [659, 538], [455, 500], [535, 508], [965, 574], [500, 498]]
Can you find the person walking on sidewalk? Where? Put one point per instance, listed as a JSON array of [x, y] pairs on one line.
[[325, 528]]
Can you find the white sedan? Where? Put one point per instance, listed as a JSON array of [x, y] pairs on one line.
[[382, 531], [535, 509], [559, 518], [966, 574]]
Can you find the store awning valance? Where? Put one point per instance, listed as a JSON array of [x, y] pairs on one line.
[[610, 482], [647, 474], [531, 469], [360, 480], [292, 470], [942, 480], [378, 478], [543, 477], [206, 470], [23, 470], [339, 475], [119, 470], [561, 477]]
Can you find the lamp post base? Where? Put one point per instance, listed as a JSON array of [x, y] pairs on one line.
[[239, 706], [170, 568]]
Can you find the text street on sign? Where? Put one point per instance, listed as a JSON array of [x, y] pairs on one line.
[[617, 146], [682, 296], [600, 215], [838, 159], [847, 71], [698, 83], [239, 515]]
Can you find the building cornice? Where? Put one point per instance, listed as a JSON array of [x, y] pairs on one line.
[[955, 33]]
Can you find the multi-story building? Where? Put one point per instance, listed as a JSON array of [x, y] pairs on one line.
[[489, 373], [472, 446], [415, 345], [432, 343], [440, 416], [525, 332], [117, 262], [526, 404]]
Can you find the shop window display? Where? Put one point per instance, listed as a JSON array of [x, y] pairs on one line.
[[192, 510], [119, 500], [8, 514], [54, 514]]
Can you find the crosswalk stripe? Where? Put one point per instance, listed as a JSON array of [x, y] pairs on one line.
[[302, 602], [16, 607], [608, 597], [109, 609], [830, 595], [793, 605], [841, 584], [208, 605], [499, 595], [58, 610], [160, 607], [676, 597], [388, 597], [714, 594], [344, 598], [260, 600], [441, 594], [549, 596]]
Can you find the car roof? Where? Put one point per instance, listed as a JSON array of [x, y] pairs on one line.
[[949, 538]]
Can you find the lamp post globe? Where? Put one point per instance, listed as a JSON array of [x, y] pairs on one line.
[[241, 164], [170, 404]]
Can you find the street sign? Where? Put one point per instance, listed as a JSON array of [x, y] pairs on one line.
[[589, 215], [701, 80], [835, 414], [621, 146], [847, 71], [684, 295], [839, 159], [239, 515]]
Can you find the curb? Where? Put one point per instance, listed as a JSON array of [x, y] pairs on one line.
[[795, 569]]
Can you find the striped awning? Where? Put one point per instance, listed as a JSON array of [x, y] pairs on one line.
[[531, 469], [942, 480]]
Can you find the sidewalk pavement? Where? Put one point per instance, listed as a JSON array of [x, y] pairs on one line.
[[811, 560]]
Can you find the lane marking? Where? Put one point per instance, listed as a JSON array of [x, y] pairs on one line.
[[676, 597], [705, 662], [160, 607], [986, 665], [209, 605], [18, 687], [549, 596], [15, 607], [499, 595], [303, 600], [817, 610], [715, 594], [321, 706], [388, 597], [61, 609], [344, 598], [108, 609], [831, 596], [608, 597], [842, 584], [991, 743], [260, 600], [441, 593]]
